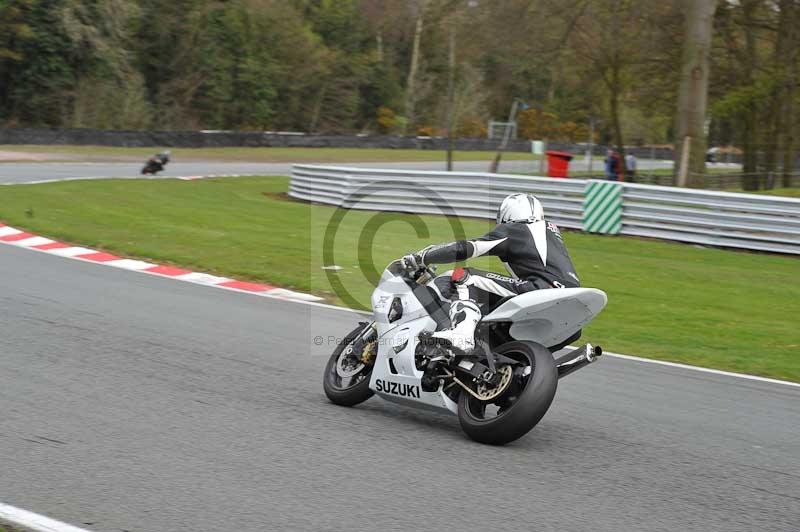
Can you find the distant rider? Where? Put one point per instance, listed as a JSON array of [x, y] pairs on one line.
[[531, 249], [160, 160], [162, 157]]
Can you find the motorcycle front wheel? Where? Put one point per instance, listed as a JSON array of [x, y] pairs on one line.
[[521, 406], [346, 380]]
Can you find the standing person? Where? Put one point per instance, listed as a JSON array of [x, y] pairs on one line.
[[630, 167], [612, 165]]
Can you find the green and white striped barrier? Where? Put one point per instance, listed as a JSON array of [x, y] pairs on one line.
[[602, 207]]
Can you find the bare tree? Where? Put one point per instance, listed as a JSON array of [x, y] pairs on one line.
[[610, 55], [412, 70], [785, 57], [693, 94]]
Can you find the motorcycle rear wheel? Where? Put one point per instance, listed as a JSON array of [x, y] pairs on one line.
[[518, 411], [346, 391]]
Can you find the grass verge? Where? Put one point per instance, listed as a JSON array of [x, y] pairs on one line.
[[709, 307], [265, 155], [791, 192]]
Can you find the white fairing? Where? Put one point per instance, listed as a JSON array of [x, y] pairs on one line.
[[550, 316], [397, 343], [546, 316]]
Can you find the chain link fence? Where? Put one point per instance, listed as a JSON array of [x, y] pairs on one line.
[[654, 166]]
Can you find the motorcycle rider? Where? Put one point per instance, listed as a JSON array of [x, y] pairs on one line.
[[531, 248], [163, 157], [159, 159]]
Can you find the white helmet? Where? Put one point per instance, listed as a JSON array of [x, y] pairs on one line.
[[520, 208]]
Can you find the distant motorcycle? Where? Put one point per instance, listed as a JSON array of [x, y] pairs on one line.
[[156, 163]]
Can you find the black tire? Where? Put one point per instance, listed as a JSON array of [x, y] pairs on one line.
[[527, 409], [349, 395]]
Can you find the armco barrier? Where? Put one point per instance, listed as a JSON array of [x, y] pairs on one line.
[[463, 194], [745, 221]]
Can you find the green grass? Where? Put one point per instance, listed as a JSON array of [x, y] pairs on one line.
[[791, 192], [722, 309], [276, 155]]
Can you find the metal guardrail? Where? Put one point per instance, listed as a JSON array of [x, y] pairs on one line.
[[468, 194], [725, 219], [745, 221]]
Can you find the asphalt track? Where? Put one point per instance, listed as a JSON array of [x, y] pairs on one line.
[[28, 172], [136, 403]]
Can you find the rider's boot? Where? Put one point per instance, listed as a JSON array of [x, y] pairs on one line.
[[464, 318]]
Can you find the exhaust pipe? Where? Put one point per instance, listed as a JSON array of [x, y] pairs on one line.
[[577, 358]]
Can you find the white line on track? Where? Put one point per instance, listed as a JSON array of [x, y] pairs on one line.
[[613, 355], [278, 296], [33, 521], [704, 370]]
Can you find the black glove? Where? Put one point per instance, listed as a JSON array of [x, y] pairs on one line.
[[413, 262]]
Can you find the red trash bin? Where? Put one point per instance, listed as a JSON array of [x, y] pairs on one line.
[[558, 163]]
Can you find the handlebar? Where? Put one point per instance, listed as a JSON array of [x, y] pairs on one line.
[[398, 267], [424, 275]]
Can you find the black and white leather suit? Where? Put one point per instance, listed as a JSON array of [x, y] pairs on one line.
[[533, 252]]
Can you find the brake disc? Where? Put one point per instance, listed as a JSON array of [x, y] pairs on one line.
[[486, 392], [348, 364]]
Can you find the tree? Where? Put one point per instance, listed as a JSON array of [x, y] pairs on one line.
[[250, 64], [411, 86], [690, 117], [109, 89], [784, 72], [77, 63], [610, 55], [439, 65], [755, 88], [14, 30]]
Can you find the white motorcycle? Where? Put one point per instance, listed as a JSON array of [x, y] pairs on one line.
[[500, 390]]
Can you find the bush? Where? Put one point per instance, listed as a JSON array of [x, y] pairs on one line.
[[386, 120], [535, 124], [429, 131], [472, 127]]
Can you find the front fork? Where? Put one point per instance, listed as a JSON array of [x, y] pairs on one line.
[[364, 343]]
